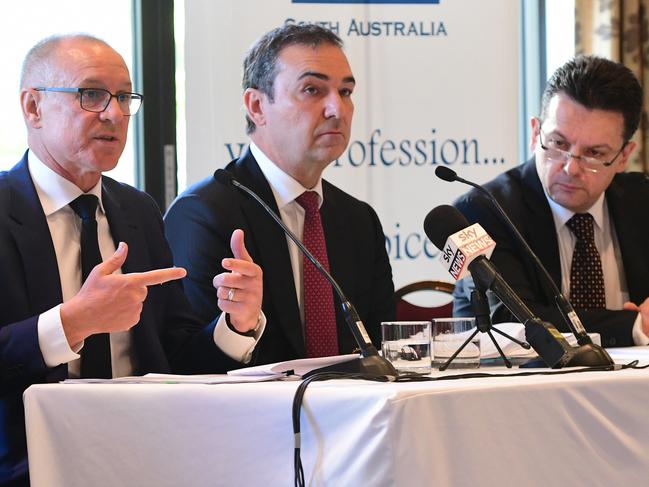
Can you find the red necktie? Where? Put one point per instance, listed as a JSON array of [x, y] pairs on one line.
[[319, 313], [586, 276]]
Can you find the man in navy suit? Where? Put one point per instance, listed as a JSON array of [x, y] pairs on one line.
[[582, 142], [76, 96], [298, 97]]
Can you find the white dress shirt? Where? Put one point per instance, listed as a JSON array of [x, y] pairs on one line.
[[615, 288], [55, 193], [285, 190]]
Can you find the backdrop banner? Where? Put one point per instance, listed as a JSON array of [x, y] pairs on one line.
[[437, 84]]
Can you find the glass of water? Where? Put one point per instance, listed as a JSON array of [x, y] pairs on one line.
[[406, 344], [448, 336]]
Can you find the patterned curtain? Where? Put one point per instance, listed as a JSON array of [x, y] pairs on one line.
[[618, 30]]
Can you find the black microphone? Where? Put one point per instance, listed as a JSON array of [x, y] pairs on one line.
[[567, 311], [370, 362], [444, 221]]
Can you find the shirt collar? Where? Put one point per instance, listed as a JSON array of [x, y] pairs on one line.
[[54, 191], [285, 188]]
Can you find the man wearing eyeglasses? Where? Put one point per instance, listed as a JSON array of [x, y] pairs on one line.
[[86, 276], [576, 207]]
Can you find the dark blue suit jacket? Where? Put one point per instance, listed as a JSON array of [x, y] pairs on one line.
[[199, 225], [520, 192], [169, 337]]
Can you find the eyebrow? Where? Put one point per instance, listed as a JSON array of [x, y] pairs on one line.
[[92, 81], [596, 146], [324, 77]]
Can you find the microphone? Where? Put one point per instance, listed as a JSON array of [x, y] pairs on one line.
[[462, 247], [599, 356], [371, 362], [566, 309], [440, 225]]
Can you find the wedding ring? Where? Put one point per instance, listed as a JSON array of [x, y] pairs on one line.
[[231, 294]]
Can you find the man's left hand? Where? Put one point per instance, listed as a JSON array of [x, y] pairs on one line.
[[240, 291]]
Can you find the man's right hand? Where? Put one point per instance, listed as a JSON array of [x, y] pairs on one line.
[[643, 309], [109, 302]]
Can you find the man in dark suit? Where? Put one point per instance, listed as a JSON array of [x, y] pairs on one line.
[[297, 93], [62, 315], [581, 142]]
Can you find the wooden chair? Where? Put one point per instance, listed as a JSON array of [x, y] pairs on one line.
[[407, 311]]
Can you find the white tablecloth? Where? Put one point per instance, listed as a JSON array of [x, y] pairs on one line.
[[579, 429]]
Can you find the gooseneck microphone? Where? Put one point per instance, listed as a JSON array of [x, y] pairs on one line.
[[440, 225], [370, 362], [567, 311]]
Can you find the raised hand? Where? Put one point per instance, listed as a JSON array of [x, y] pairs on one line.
[[240, 290]]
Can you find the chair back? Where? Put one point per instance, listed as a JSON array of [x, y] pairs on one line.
[[407, 311]]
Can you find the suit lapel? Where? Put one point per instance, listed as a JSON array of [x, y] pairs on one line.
[[539, 220], [124, 227], [269, 249], [339, 249], [33, 241], [341, 253], [630, 241]]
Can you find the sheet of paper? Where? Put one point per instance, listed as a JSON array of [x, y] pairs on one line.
[[179, 379], [298, 366]]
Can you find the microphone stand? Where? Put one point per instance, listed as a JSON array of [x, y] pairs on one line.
[[483, 325], [587, 353]]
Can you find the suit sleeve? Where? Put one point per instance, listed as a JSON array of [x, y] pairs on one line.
[[199, 244], [614, 326], [382, 305], [21, 361], [188, 339]]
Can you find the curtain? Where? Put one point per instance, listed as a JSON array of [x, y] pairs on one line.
[[618, 30]]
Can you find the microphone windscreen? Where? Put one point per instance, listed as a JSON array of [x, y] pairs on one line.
[[442, 222], [223, 177], [445, 173]]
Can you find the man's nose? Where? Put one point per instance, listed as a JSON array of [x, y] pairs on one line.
[[333, 105], [113, 111], [572, 166]]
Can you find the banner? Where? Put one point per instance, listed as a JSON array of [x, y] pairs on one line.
[[436, 84]]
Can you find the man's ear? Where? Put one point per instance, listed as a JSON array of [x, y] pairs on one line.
[[253, 100], [535, 125], [30, 103], [623, 161]]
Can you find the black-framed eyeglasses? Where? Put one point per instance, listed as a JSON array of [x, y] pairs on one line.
[[591, 164], [97, 99]]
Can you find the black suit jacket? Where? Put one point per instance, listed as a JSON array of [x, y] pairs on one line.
[[520, 192], [199, 225], [168, 337]]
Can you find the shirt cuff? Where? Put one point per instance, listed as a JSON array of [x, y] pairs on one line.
[[234, 345], [52, 341], [639, 338]]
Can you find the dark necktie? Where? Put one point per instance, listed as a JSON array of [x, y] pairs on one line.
[[586, 276], [319, 313], [95, 354]]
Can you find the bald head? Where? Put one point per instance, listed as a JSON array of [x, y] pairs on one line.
[[74, 142], [40, 64]]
